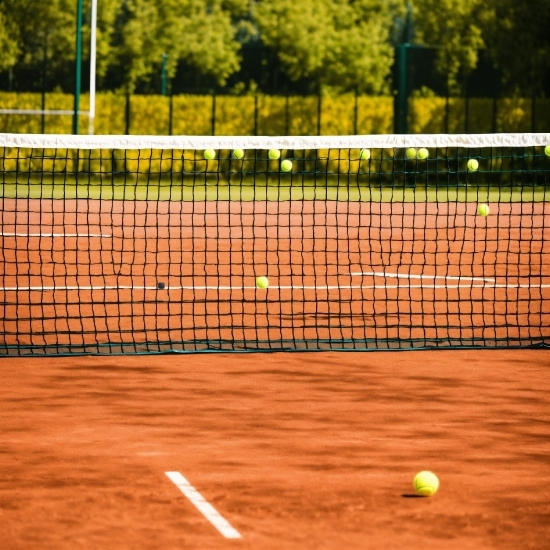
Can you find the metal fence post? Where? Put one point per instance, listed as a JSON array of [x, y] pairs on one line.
[[170, 113], [534, 112], [78, 59], [127, 115], [255, 114], [355, 114], [214, 113], [401, 99], [286, 114]]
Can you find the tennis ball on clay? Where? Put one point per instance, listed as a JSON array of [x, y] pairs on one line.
[[364, 154], [286, 165], [547, 150], [425, 483], [423, 153], [274, 154], [473, 165], [210, 154], [483, 209], [410, 153], [262, 282], [237, 154]]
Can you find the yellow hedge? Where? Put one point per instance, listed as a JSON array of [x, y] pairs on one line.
[[192, 115]]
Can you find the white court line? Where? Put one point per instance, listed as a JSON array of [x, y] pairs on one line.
[[2, 234], [410, 276], [206, 509], [296, 287]]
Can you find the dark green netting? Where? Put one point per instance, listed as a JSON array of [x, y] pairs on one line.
[[157, 250]]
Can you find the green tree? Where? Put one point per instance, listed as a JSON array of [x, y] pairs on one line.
[[343, 44], [457, 28], [198, 32], [41, 29], [9, 41], [519, 43]]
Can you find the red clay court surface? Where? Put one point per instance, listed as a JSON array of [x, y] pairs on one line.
[[209, 253], [296, 451]]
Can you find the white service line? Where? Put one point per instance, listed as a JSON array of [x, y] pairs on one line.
[[410, 276], [206, 509], [3, 234]]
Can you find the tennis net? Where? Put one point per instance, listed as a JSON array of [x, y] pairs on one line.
[[129, 244]]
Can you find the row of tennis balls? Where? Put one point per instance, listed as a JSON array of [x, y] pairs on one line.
[[238, 154], [423, 153], [411, 153]]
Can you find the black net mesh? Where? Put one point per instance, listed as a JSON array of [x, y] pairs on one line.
[[106, 250]]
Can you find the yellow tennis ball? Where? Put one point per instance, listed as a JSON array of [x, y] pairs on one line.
[[423, 153], [410, 153], [473, 165], [364, 154], [237, 154], [425, 483], [547, 150], [210, 154], [262, 282], [274, 154], [286, 165], [483, 209]]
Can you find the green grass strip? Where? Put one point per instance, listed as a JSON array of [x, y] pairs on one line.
[[272, 193]]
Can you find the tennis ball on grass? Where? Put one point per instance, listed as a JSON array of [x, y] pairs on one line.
[[483, 209], [473, 165], [274, 154], [210, 154], [286, 165], [262, 282], [423, 153], [547, 150], [237, 154], [364, 154], [410, 153], [426, 483]]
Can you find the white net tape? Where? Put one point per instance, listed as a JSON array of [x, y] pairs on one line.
[[69, 141]]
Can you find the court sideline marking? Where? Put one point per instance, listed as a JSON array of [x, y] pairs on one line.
[[204, 507]]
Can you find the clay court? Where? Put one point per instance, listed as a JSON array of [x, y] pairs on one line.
[[399, 333], [294, 450]]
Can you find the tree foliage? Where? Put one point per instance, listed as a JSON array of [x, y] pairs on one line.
[[40, 30], [339, 45], [342, 44], [519, 42], [9, 41], [197, 32], [457, 29]]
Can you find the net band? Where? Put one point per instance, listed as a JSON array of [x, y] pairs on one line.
[[67, 141]]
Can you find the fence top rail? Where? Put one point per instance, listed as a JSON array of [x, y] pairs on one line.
[[70, 141]]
